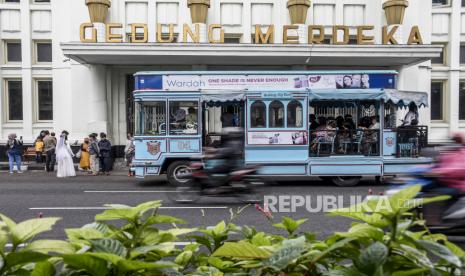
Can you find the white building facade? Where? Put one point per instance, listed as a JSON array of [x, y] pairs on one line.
[[54, 76]]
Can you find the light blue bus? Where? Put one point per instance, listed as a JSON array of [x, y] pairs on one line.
[[339, 125]]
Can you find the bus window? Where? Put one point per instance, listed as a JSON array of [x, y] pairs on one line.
[[294, 114], [258, 115], [184, 117], [276, 111], [151, 118]]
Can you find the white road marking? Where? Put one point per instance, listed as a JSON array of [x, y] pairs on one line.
[[106, 208]]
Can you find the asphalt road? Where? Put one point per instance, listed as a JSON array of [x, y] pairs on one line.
[[77, 200]]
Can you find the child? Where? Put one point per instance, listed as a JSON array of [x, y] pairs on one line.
[[39, 145]]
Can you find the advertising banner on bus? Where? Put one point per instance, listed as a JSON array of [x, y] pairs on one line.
[[264, 82]]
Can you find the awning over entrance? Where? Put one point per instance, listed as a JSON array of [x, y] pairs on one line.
[[250, 54], [399, 98], [222, 96]]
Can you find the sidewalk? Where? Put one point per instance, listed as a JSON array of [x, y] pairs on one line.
[[119, 167]]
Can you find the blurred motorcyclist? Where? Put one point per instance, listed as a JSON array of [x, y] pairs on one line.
[[229, 156], [450, 169]]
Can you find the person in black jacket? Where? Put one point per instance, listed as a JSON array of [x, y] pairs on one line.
[[105, 154], [14, 151]]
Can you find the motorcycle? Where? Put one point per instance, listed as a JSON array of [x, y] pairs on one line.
[[242, 183], [446, 217]]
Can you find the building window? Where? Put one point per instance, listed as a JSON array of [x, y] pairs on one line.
[[43, 52], [45, 100], [462, 53], [440, 2], [437, 101], [151, 118], [463, 3], [462, 101], [276, 110], [41, 1], [11, 1], [294, 114], [258, 115], [14, 100], [13, 52], [183, 117], [441, 59]]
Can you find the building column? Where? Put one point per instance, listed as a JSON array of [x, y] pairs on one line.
[[98, 105], [452, 89], [26, 72]]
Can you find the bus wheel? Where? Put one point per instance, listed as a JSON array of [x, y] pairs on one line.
[[346, 181], [175, 170]]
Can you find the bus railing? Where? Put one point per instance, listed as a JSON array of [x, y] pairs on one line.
[[329, 142]]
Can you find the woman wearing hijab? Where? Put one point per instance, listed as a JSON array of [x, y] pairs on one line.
[[14, 151], [64, 157]]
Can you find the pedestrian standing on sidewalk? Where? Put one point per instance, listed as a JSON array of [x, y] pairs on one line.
[[129, 152], [39, 146], [50, 143], [94, 154], [105, 154], [85, 158], [64, 156], [14, 151]]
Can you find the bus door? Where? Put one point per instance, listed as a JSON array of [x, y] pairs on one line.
[[218, 115], [277, 133]]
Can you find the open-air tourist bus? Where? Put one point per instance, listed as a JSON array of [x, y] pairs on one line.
[[339, 125]]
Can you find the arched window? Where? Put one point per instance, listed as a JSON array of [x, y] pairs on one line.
[[276, 113], [258, 115], [294, 114]]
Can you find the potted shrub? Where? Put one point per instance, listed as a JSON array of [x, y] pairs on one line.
[[199, 10], [98, 10], [298, 10], [395, 10]]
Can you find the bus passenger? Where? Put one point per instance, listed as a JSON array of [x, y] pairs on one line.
[[227, 119]]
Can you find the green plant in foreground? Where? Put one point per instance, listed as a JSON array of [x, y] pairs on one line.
[[381, 241]]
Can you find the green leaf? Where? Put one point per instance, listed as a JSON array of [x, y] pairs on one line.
[[414, 255], [363, 231], [183, 258], [337, 245], [372, 258], [128, 265], [83, 234], [260, 239], [48, 246], [90, 264], [343, 272], [164, 219], [43, 269], [4, 237], [162, 249], [289, 224], [241, 250], [455, 249], [354, 212], [8, 222], [287, 253], [118, 214], [108, 246], [411, 272], [112, 258], [219, 228], [441, 251], [28, 229], [24, 257], [399, 199], [178, 231]]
